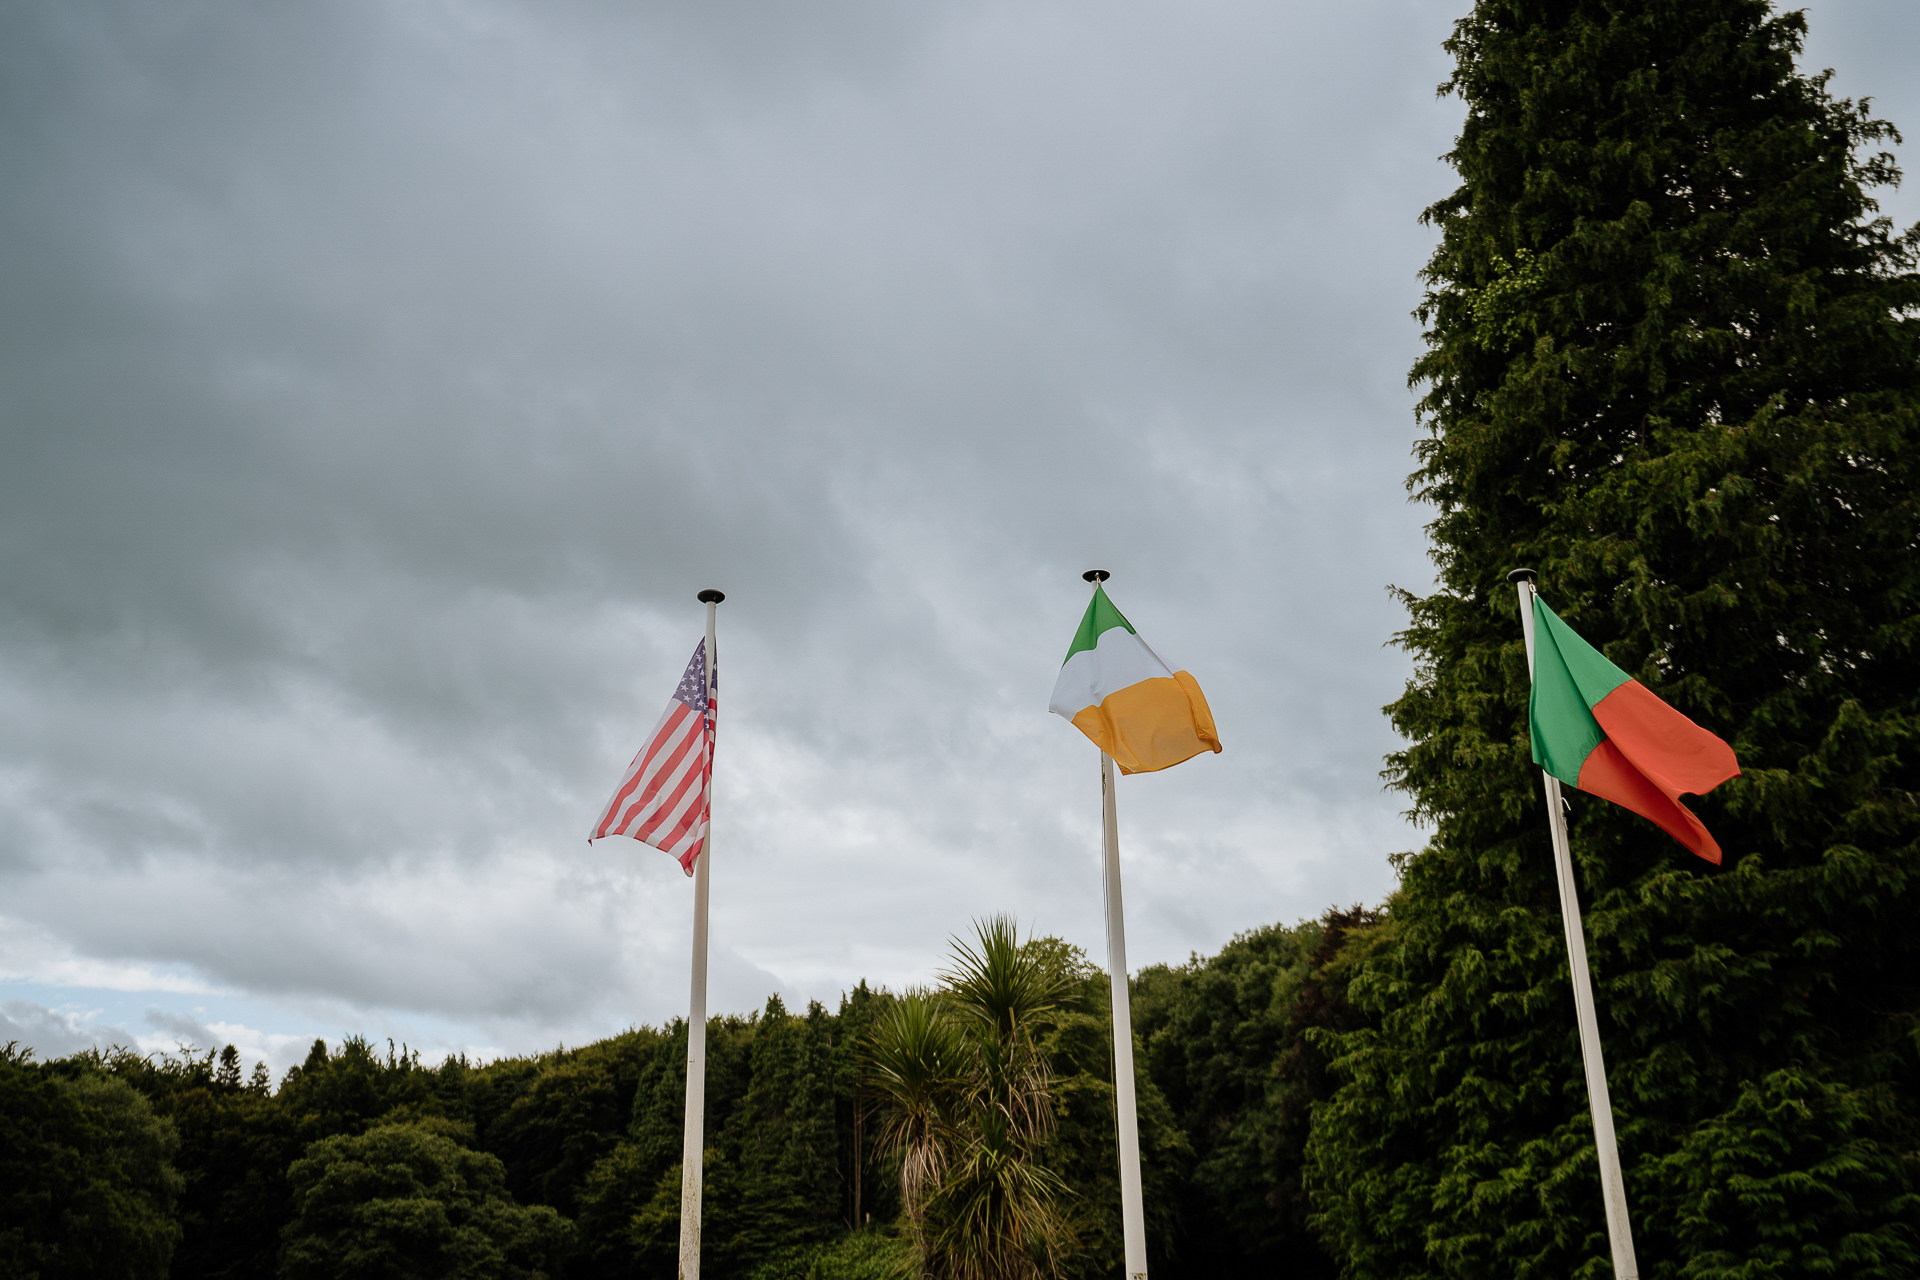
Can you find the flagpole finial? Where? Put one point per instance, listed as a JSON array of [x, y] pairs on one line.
[[1521, 575], [710, 596], [1096, 575]]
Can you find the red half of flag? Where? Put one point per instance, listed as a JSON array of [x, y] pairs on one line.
[[665, 798]]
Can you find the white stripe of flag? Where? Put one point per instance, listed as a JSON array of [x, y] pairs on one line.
[[663, 799]]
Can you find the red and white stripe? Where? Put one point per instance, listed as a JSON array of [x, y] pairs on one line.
[[664, 798]]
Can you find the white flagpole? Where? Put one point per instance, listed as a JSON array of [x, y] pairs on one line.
[[694, 1147], [1613, 1190], [1132, 1213]]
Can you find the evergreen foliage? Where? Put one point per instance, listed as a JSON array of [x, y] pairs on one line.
[[86, 1190], [1216, 1033], [1671, 365], [1232, 1041], [235, 1145], [1076, 1037], [781, 1137], [570, 1117], [870, 1200], [779, 1118], [402, 1201], [795, 1133]]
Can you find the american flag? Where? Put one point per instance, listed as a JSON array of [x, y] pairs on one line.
[[663, 801]]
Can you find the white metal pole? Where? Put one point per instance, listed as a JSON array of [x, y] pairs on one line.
[[1132, 1215], [1613, 1189], [694, 1147]]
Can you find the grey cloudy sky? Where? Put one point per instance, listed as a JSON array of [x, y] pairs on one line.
[[379, 380]]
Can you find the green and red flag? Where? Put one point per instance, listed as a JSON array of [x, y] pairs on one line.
[[1596, 728]]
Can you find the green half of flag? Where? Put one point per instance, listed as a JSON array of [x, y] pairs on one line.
[[1101, 616], [1596, 728]]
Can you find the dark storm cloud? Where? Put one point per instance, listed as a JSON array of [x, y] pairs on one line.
[[378, 381]]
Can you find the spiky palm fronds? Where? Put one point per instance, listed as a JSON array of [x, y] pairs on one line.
[[996, 984], [915, 1058], [996, 991], [970, 1104], [1000, 1215]]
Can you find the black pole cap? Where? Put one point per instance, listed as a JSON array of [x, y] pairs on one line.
[[1521, 575], [1096, 575], [710, 596]]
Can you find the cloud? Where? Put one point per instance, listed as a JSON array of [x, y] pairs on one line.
[[379, 382], [55, 1033], [32, 954]]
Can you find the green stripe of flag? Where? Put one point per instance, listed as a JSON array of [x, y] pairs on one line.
[[1101, 617], [1570, 677]]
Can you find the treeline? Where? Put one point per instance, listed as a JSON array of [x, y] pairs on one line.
[[366, 1161]]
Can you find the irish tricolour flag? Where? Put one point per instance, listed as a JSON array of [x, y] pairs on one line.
[[1596, 728], [1117, 691]]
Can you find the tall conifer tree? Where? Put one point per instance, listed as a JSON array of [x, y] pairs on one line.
[[781, 1136], [1672, 365]]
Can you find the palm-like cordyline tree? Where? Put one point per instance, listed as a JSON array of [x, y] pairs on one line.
[[970, 1106], [914, 1057]]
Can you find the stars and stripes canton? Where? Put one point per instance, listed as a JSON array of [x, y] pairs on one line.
[[665, 800]]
